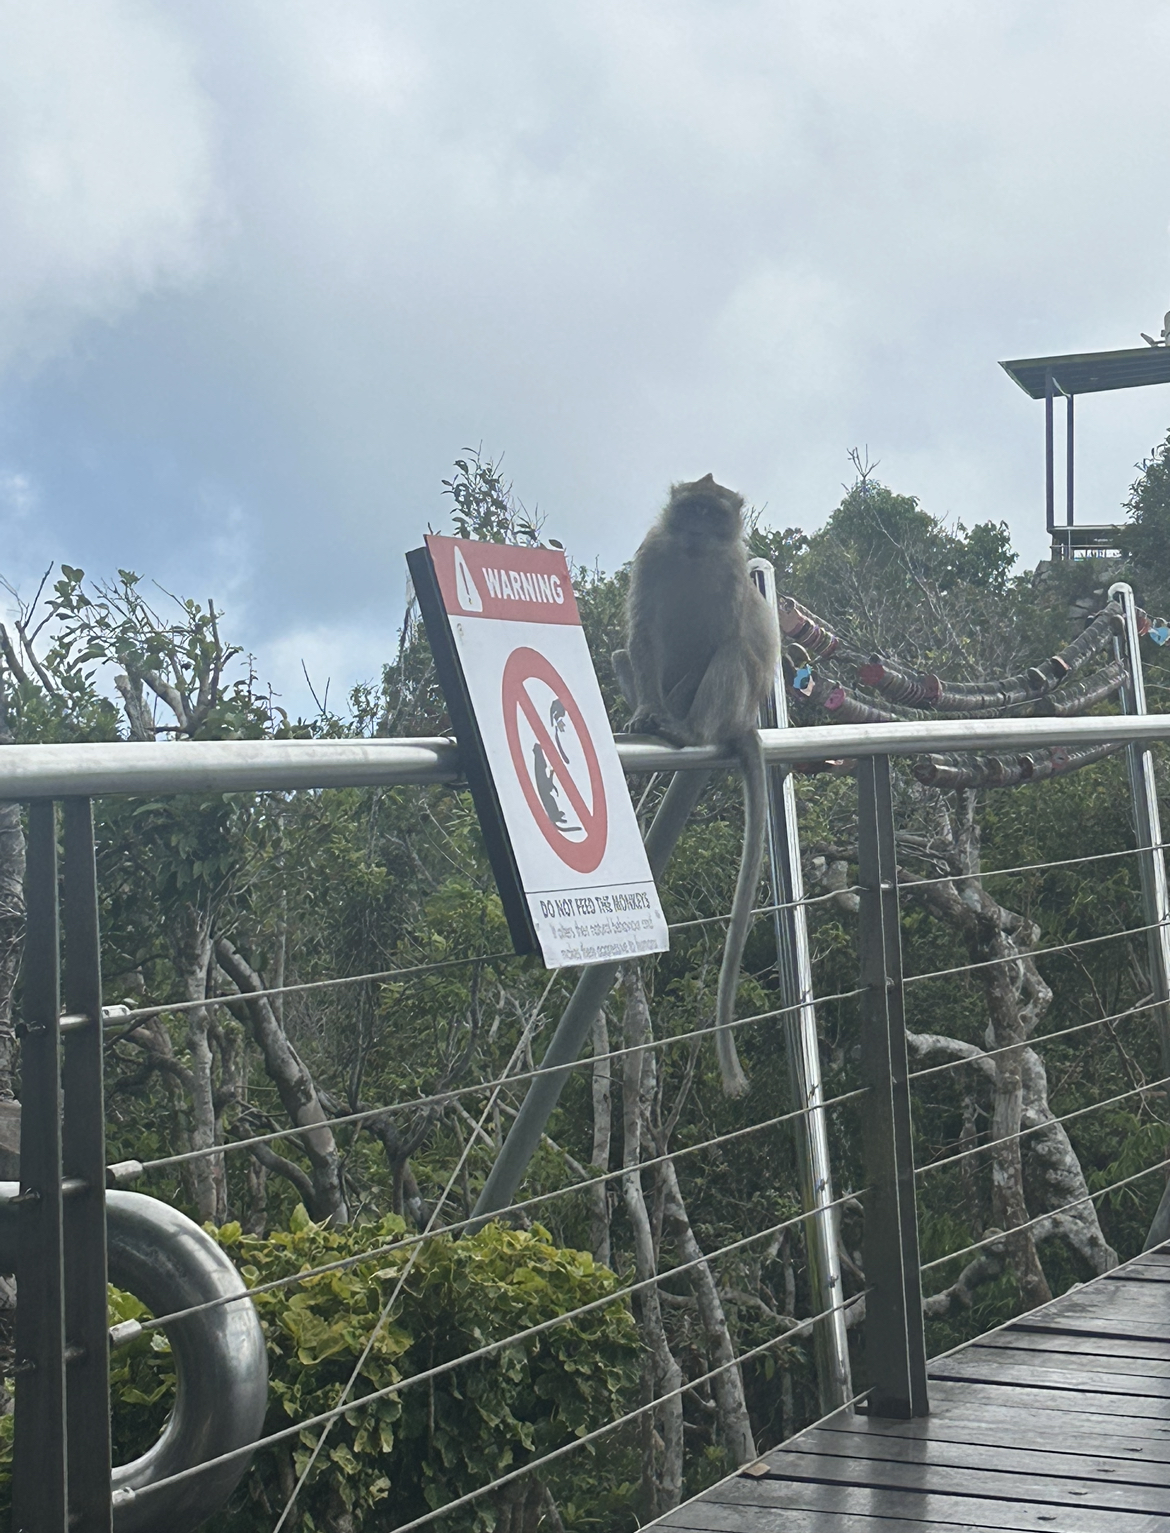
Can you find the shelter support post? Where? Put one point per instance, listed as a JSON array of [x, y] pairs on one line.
[[895, 1343], [794, 971], [1049, 464]]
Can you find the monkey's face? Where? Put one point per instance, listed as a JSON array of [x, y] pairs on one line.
[[704, 512]]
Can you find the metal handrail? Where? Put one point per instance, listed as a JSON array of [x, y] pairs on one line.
[[229, 766]]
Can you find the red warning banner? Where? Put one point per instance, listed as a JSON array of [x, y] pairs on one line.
[[500, 580]]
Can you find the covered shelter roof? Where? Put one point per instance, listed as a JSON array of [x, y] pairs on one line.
[[1091, 372]]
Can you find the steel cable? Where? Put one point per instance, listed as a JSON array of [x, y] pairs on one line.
[[641, 1410], [1033, 867], [400, 1281], [1053, 1213], [1039, 952], [767, 910], [135, 1014], [438, 1098], [376, 1252], [1031, 1042], [490, 1348], [142, 1013], [1023, 1133]]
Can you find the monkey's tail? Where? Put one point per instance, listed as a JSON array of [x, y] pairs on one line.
[[755, 808]]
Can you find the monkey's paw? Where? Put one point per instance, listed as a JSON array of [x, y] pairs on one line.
[[643, 722], [646, 723]]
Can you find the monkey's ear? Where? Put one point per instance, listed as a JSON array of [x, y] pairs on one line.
[[705, 480]]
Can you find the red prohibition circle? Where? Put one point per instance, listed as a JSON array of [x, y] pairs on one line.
[[525, 665]]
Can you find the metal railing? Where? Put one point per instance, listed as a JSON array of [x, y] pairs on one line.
[[62, 1443]]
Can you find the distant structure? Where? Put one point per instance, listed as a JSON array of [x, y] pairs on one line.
[[1092, 372]]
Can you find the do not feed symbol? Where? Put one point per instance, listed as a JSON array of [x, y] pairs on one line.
[[554, 761]]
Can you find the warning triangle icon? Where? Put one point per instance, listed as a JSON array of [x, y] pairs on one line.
[[465, 587]]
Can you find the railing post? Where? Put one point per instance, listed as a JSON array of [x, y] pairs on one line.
[[84, 1159], [39, 1499], [794, 970], [1147, 825], [895, 1344], [1147, 822]]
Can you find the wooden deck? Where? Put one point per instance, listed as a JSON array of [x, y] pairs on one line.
[[1059, 1423]]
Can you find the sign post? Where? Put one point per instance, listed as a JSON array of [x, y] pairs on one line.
[[548, 787]]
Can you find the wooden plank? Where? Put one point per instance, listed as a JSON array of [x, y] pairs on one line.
[[1124, 1301], [991, 1367], [1097, 1325], [1113, 1290], [772, 1496], [1025, 1402], [1100, 1436], [1039, 1466], [1072, 1355], [1024, 1409], [1022, 1484], [712, 1517], [1057, 1424], [1082, 1344]]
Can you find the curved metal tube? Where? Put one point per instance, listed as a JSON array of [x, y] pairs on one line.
[[221, 1364]]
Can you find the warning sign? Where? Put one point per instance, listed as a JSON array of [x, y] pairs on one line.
[[558, 818]]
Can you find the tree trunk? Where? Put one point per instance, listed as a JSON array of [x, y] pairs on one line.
[[298, 1094], [204, 1178], [727, 1386], [661, 1374], [1016, 999], [602, 1133], [256, 1218], [1008, 1205], [1053, 1162]]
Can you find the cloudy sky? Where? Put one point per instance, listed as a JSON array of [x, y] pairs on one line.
[[266, 266]]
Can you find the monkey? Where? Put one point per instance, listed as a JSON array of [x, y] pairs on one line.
[[702, 646]]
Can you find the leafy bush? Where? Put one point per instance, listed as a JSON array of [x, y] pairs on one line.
[[142, 1384], [391, 1460], [396, 1457]]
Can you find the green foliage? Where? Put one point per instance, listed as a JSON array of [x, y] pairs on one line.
[[142, 1386], [1146, 541], [485, 506], [892, 534], [142, 1382], [436, 1441]]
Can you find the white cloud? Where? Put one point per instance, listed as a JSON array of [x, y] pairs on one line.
[[319, 662], [106, 173], [621, 240]]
